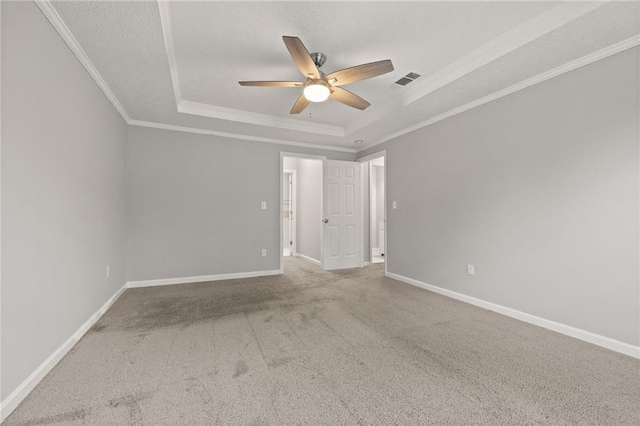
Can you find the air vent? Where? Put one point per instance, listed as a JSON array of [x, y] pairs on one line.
[[407, 79], [404, 81]]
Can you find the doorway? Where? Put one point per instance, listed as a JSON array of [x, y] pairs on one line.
[[288, 213], [374, 207], [377, 218], [301, 207], [321, 215]]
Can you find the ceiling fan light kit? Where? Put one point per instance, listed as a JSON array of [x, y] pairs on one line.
[[317, 91], [319, 87]]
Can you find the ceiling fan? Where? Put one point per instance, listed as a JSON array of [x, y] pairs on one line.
[[319, 87]]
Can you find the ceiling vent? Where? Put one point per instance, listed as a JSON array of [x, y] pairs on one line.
[[407, 79]]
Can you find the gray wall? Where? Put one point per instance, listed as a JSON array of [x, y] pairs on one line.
[[309, 192], [539, 190], [194, 204], [63, 193]]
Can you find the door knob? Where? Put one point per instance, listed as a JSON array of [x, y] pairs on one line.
[[325, 220]]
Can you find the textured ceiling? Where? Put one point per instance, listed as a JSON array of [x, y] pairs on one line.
[[246, 44], [216, 44]]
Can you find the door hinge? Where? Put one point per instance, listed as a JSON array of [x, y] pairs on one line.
[[290, 243]]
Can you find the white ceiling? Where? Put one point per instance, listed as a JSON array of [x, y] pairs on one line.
[[178, 63]]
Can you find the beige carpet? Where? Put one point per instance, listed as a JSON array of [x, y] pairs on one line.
[[314, 347]]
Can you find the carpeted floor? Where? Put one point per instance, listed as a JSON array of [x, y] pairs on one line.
[[334, 348]]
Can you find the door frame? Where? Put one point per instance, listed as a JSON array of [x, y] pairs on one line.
[[366, 164], [281, 174], [294, 210]]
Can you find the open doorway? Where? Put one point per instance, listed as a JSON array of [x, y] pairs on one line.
[[376, 210], [289, 213], [374, 206], [321, 215], [301, 207]]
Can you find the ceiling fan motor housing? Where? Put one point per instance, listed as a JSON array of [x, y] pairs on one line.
[[319, 58]]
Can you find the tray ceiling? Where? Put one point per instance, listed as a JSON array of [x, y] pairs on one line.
[[178, 63]]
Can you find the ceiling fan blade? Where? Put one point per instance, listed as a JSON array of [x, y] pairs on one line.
[[272, 83], [300, 105], [346, 97], [301, 57], [360, 72]]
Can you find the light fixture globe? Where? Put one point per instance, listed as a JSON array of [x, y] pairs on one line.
[[317, 91]]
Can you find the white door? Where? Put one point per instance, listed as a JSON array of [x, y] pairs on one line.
[[341, 227]]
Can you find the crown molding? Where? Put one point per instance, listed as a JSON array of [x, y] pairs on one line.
[[212, 111], [533, 28], [526, 32], [237, 136], [52, 15], [167, 32], [562, 69]]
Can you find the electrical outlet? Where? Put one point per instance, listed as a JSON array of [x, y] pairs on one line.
[[264, 252], [395, 204], [108, 270], [471, 270], [263, 205]]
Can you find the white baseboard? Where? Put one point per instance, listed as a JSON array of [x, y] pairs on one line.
[[202, 278], [20, 393], [308, 259], [366, 263], [587, 336]]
